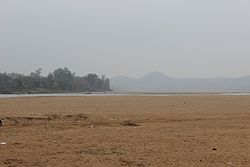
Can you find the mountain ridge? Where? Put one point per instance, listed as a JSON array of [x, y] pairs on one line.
[[159, 82]]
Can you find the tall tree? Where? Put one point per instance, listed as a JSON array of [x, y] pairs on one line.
[[63, 78]]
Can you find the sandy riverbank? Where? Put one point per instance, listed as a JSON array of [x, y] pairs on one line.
[[125, 131]]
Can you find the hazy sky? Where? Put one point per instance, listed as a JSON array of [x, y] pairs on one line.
[[181, 38]]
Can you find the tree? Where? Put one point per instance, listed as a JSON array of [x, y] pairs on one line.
[[36, 78], [37, 73], [63, 78]]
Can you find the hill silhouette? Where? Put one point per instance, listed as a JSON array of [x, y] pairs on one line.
[[159, 82]]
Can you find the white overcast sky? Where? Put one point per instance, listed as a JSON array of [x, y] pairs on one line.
[[181, 38]]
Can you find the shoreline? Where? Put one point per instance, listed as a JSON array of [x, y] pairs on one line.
[[127, 94]]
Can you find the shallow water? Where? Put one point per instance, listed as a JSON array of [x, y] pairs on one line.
[[121, 94]]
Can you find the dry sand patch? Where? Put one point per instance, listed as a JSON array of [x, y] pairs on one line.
[[125, 131]]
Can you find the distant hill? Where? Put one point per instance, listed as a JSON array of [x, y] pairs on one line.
[[158, 82]]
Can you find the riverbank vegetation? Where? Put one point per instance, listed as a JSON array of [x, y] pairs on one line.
[[62, 80]]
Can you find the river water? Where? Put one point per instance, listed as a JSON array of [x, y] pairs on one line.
[[120, 94]]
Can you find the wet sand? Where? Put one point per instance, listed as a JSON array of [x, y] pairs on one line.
[[125, 131]]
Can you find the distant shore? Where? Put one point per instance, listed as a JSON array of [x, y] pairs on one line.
[[124, 94]]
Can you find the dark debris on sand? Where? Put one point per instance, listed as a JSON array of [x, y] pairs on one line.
[[129, 123]]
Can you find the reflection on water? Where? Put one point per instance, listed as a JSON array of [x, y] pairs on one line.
[[121, 94]]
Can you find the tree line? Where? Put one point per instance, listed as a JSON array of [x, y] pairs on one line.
[[59, 81]]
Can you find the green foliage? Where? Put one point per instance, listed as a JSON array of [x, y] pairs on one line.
[[61, 80]]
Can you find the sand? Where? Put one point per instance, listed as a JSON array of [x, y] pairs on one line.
[[125, 131]]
